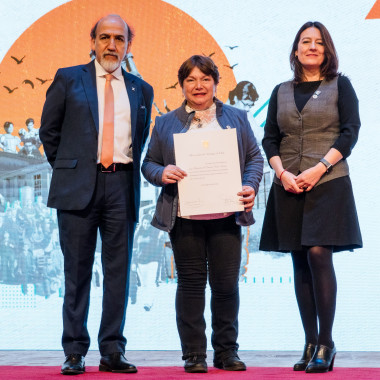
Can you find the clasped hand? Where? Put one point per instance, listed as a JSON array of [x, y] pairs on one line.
[[304, 181]]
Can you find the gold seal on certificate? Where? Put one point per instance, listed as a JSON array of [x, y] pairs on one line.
[[211, 160]]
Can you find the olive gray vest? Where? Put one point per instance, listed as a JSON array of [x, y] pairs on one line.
[[308, 135]]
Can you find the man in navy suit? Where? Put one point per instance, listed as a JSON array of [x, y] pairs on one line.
[[89, 196]]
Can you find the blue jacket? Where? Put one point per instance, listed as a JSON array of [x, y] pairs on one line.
[[161, 153]]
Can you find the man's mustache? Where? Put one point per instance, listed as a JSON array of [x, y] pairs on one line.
[[110, 53]]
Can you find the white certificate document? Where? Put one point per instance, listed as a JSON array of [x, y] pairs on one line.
[[211, 160]]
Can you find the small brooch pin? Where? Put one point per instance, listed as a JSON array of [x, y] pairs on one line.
[[198, 120], [316, 93]]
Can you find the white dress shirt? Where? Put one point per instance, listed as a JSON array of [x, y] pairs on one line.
[[122, 124]]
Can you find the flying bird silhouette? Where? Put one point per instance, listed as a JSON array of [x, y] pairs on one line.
[[173, 86], [232, 47], [231, 67], [9, 90], [18, 60], [43, 80], [27, 81]]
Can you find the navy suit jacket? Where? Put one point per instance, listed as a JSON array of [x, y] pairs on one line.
[[69, 134]]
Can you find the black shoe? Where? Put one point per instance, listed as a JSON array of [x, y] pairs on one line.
[[195, 364], [308, 353], [73, 365], [323, 359], [116, 362], [230, 363]]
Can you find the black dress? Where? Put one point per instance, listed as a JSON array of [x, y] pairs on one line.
[[325, 216]]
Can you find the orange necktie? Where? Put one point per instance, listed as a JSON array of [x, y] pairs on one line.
[[106, 158]]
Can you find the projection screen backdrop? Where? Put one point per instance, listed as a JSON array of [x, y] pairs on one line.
[[250, 42]]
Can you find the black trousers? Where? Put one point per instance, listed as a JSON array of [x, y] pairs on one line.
[[110, 211], [207, 248]]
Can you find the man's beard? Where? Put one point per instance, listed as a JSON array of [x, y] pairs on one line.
[[108, 64]]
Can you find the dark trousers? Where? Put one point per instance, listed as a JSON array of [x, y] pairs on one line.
[[110, 212], [213, 248]]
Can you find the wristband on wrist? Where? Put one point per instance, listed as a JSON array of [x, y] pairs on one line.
[[282, 174], [326, 163]]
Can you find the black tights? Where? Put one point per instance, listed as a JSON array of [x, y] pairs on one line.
[[315, 287]]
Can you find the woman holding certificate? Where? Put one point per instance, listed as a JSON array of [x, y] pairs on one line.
[[206, 245], [312, 125]]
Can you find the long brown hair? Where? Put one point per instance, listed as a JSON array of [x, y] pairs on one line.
[[329, 67]]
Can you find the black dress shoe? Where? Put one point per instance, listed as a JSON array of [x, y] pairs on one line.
[[323, 359], [116, 362], [73, 365], [308, 353], [230, 363], [195, 364]]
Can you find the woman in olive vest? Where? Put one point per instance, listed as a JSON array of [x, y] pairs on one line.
[[312, 125]]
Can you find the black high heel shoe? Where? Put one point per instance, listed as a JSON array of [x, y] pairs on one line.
[[323, 359], [308, 353]]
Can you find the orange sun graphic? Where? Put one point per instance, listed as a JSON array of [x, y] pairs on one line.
[[374, 12], [165, 37]]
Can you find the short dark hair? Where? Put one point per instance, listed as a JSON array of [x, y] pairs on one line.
[[238, 92], [205, 64], [131, 33], [30, 120], [7, 124], [329, 67]]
